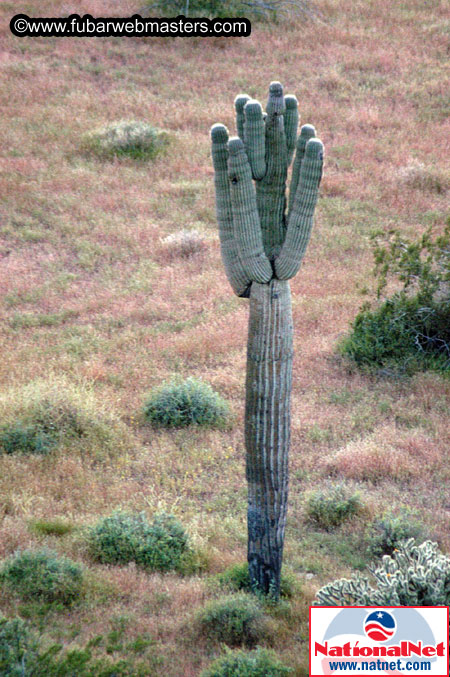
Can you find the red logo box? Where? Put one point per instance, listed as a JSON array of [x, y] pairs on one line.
[[360, 640]]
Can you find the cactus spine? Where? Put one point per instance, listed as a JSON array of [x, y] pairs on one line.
[[262, 246]]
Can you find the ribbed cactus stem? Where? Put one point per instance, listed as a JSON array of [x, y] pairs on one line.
[[291, 119], [307, 132], [237, 277], [239, 104], [267, 428], [245, 213], [262, 247], [271, 190], [254, 138], [301, 217]]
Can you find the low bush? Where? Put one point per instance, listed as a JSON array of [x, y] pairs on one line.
[[184, 244], [23, 654], [333, 505], [43, 415], [418, 176], [237, 578], [180, 404], [385, 533], [128, 537], [257, 9], [19, 437], [410, 330], [235, 619], [402, 335], [54, 527], [18, 648], [257, 663], [42, 575], [415, 575], [134, 139]]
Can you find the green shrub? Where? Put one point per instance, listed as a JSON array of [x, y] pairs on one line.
[[333, 505], [410, 330], [43, 415], [402, 335], [257, 663], [26, 439], [129, 537], [385, 533], [237, 578], [54, 527], [179, 404], [415, 575], [257, 9], [134, 139], [42, 575], [23, 655], [18, 648], [235, 619]]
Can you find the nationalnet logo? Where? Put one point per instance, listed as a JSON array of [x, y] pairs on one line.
[[379, 641], [380, 626]]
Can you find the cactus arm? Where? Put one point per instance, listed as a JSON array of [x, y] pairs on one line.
[[237, 277], [291, 118], [245, 214], [307, 132], [254, 138], [301, 217], [267, 428], [271, 190], [239, 104]]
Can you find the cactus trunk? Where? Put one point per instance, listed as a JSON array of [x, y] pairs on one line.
[[262, 246], [267, 429]]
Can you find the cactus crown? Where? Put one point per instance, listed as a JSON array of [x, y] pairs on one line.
[[260, 238]]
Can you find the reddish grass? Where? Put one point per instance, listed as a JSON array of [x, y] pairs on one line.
[[84, 235]]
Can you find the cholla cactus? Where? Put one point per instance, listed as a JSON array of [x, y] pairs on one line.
[[416, 575], [262, 247]]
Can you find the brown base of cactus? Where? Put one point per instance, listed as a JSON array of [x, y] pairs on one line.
[[267, 429]]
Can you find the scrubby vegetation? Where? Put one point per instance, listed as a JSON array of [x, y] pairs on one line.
[[331, 506], [127, 537], [415, 575], [184, 244], [386, 532], [258, 663], [190, 402], [43, 575], [234, 620], [24, 654], [237, 578], [268, 10], [411, 329], [134, 139], [55, 527], [26, 439], [48, 414], [95, 311]]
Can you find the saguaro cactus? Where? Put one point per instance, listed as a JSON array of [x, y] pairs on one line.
[[262, 243]]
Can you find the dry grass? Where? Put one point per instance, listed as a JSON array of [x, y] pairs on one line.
[[96, 298], [417, 175], [387, 455]]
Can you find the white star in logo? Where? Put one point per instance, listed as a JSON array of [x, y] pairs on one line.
[[379, 614]]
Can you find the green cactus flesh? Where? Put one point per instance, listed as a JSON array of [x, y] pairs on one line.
[[267, 428], [415, 575], [262, 247]]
